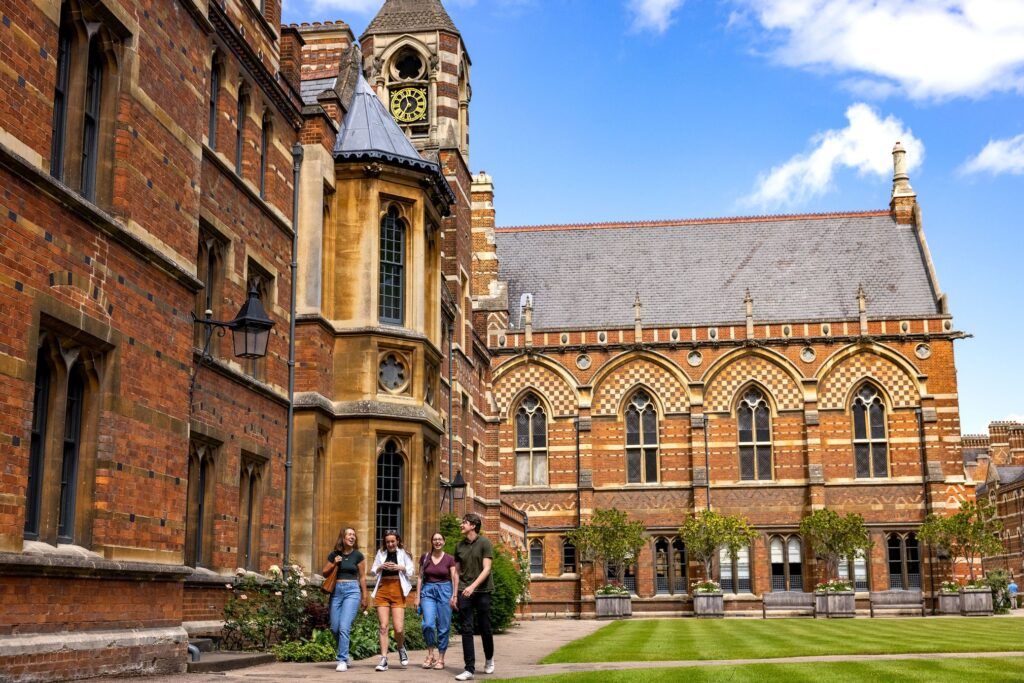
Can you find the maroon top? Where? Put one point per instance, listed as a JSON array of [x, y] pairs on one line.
[[437, 573]]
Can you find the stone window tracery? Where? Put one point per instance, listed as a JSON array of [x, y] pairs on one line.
[[753, 418], [870, 445], [786, 563], [904, 559], [531, 442], [641, 440]]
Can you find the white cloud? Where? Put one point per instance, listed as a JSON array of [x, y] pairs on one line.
[[998, 156], [865, 145], [929, 49], [653, 15]]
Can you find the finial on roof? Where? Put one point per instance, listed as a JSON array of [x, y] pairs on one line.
[[638, 331], [862, 308], [749, 303], [528, 321], [900, 179]]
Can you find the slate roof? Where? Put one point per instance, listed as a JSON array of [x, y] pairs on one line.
[[313, 87], [797, 268], [369, 133], [1009, 474], [407, 16]]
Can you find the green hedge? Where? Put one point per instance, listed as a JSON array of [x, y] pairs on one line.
[[322, 646]]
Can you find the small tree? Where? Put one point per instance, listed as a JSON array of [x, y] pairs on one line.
[[611, 537], [834, 538], [708, 531], [969, 534]]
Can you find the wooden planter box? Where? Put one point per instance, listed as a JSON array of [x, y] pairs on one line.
[[949, 603], [613, 606], [976, 602], [708, 605], [840, 605]]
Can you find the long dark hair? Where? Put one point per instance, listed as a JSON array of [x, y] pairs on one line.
[[340, 543], [384, 539]]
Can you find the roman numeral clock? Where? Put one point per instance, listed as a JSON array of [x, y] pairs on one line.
[[409, 104]]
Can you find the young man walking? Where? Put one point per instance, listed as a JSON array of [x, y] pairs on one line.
[[473, 557]]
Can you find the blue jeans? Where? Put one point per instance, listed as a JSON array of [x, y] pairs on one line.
[[344, 608], [437, 614]]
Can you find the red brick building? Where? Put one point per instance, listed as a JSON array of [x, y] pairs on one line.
[[996, 462], [761, 366], [145, 157]]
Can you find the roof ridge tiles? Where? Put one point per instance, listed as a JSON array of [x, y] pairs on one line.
[[691, 221]]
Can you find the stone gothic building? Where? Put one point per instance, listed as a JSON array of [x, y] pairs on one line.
[[166, 163]]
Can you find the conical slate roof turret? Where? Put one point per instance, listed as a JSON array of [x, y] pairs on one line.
[[408, 16], [370, 134]]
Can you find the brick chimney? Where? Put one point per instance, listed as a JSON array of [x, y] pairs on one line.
[[291, 56], [904, 199], [1015, 432]]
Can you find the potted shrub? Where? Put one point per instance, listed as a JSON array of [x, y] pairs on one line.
[[949, 598], [612, 538], [968, 534], [835, 599], [613, 600], [976, 599], [708, 601], [704, 534], [834, 537]]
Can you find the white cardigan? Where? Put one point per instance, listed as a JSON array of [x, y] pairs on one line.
[[406, 570]]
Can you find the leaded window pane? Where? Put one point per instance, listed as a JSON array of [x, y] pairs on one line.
[[540, 468], [895, 557], [392, 268], [764, 462], [913, 559], [389, 490], [763, 424], [650, 426], [568, 558], [860, 573], [746, 420], [743, 570], [633, 466], [661, 566], [522, 469], [522, 429], [880, 459], [536, 557], [40, 412], [632, 427], [60, 100], [725, 571], [91, 119], [531, 443], [863, 459], [539, 430], [678, 567], [877, 420], [651, 464], [746, 463], [69, 461], [860, 430]]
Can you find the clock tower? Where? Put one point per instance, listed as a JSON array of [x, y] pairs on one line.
[[416, 62]]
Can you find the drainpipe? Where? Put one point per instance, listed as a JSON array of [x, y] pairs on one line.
[[927, 500], [576, 424], [707, 462], [451, 390], [296, 168]]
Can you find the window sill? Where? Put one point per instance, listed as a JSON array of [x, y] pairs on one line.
[[42, 559]]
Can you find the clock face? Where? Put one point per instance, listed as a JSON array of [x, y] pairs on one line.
[[409, 105]]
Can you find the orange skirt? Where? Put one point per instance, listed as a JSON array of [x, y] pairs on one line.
[[389, 593]]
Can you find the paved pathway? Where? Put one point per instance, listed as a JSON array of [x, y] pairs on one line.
[[516, 655]]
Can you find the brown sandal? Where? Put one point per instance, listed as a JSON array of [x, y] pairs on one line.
[[439, 664], [429, 662]]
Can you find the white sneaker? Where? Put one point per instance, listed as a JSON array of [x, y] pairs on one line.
[[342, 666], [464, 676], [383, 666], [489, 666]]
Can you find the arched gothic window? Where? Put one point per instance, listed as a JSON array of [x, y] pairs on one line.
[[240, 118], [870, 447], [536, 556], [904, 558], [266, 133], [69, 457], [568, 557], [389, 490], [216, 66], [734, 575], [855, 571], [61, 94], [391, 292], [641, 440], [787, 564], [531, 443], [755, 436], [37, 450]]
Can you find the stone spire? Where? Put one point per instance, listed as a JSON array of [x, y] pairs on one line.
[[904, 199], [410, 16]]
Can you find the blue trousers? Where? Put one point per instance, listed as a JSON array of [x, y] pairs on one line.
[[437, 614], [344, 608]]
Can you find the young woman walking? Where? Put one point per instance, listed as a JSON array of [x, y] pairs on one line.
[[394, 571], [436, 588], [349, 592]]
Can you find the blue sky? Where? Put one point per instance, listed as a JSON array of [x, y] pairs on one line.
[[596, 110]]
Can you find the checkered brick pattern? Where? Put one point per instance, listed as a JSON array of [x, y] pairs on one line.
[[563, 398], [836, 386], [609, 394], [719, 393]]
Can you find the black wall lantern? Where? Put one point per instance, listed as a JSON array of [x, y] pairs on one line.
[[457, 488], [250, 331]]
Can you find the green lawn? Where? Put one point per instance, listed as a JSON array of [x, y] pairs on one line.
[[653, 640], [996, 669]]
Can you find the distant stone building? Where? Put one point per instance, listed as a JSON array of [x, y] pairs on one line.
[[996, 462]]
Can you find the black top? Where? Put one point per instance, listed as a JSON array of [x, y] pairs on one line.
[[348, 568], [392, 557]]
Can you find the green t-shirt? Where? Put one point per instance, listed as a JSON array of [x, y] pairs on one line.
[[348, 568], [470, 558]]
